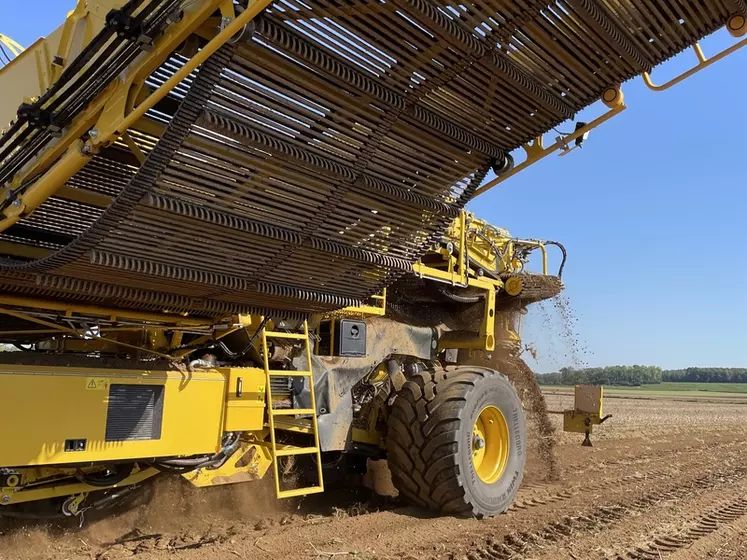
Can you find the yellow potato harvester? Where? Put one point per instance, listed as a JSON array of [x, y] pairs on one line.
[[233, 235]]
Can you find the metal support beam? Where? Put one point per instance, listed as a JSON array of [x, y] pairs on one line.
[[109, 312], [427, 13], [536, 151]]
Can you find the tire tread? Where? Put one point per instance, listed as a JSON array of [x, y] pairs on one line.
[[422, 443]]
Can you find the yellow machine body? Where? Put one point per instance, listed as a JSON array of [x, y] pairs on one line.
[[245, 399], [64, 415]]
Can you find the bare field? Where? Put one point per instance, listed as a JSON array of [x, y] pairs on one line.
[[665, 479], [655, 416], [688, 391]]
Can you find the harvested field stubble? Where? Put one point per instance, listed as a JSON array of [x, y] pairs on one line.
[[664, 479]]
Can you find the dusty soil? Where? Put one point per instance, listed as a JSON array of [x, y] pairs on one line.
[[665, 479]]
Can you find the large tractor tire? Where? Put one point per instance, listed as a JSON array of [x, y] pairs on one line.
[[456, 441]]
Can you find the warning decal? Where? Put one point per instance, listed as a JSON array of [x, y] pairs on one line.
[[97, 383]]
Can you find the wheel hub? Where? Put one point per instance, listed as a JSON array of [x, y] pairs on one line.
[[490, 444]]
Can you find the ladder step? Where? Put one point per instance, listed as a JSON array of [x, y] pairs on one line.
[[298, 425], [288, 373], [291, 411], [288, 418], [288, 450], [291, 335], [300, 491]]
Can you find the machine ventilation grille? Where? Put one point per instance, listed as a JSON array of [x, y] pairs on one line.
[[135, 412]]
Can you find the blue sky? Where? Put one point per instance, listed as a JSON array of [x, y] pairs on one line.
[[651, 211]]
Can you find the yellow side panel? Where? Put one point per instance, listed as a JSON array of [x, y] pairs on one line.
[[45, 407], [575, 422], [30, 74], [589, 399], [245, 400], [27, 76]]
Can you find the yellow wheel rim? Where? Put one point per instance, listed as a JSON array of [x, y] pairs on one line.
[[490, 444]]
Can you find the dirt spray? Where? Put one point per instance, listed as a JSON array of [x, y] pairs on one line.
[[505, 358]]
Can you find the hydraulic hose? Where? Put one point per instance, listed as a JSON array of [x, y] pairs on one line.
[[229, 447], [461, 298], [117, 475], [249, 345], [565, 256]]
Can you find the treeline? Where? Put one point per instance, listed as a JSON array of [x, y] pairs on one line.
[[609, 375], [706, 375], [641, 375]]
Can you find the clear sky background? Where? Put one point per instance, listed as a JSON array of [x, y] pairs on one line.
[[651, 210]]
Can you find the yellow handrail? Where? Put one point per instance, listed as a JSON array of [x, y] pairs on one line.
[[703, 62], [536, 151], [535, 244], [14, 47]]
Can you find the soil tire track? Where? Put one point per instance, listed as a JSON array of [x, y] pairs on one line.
[[706, 524], [517, 544]]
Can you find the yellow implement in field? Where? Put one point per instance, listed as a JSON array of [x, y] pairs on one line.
[[232, 234]]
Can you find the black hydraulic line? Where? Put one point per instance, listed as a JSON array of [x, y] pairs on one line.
[[114, 64], [67, 74], [114, 496], [460, 298], [202, 462], [86, 55], [249, 345], [100, 74], [37, 141], [4, 153], [73, 107], [14, 127], [105, 67], [565, 255], [157, 20], [173, 470], [6, 56], [88, 74], [191, 464], [17, 514], [119, 473]]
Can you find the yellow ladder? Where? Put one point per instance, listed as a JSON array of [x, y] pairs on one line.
[[272, 413]]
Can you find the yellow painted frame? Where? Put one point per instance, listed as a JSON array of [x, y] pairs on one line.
[[194, 405], [10, 496], [736, 26], [535, 150], [15, 48], [112, 113]]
